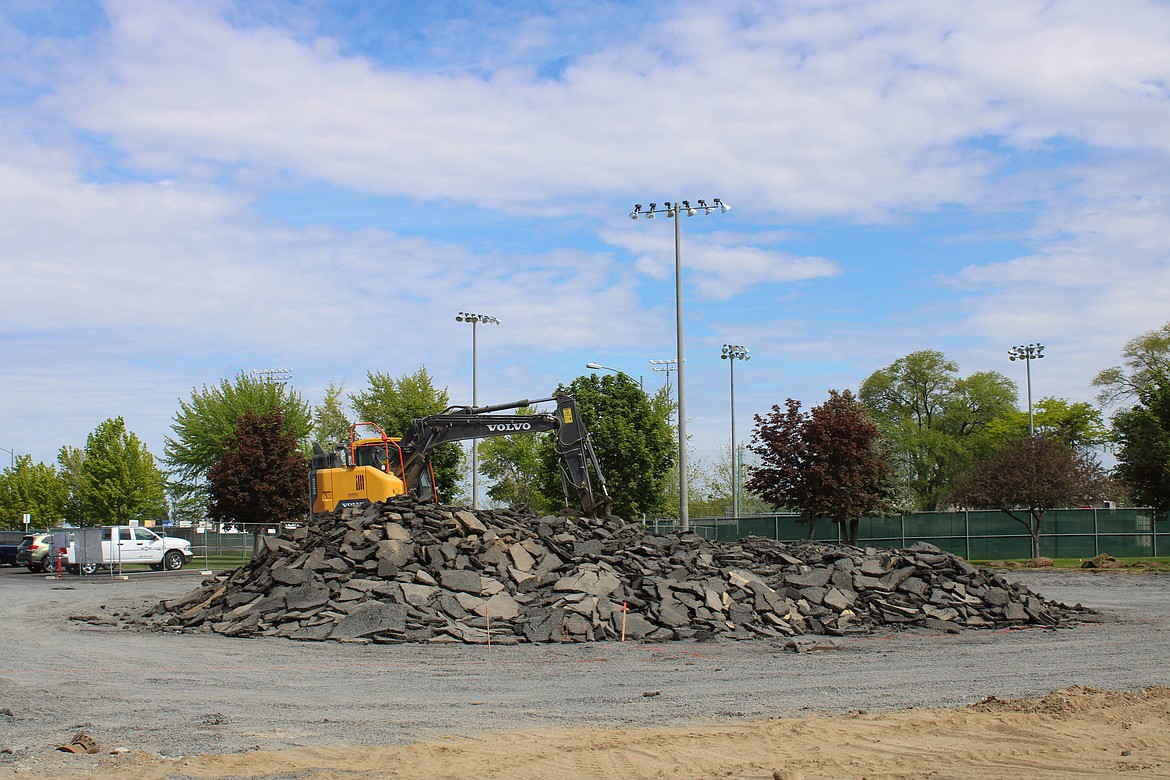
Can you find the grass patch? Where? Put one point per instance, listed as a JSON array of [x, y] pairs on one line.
[[219, 562], [198, 563]]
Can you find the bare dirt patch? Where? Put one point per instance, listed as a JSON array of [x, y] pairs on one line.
[[1075, 732]]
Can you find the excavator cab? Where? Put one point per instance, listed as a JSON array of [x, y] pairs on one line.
[[373, 473], [376, 455]]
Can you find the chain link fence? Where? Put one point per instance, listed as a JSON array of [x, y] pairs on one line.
[[974, 535], [233, 545]]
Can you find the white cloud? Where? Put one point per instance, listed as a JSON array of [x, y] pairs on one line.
[[814, 110], [183, 258], [718, 265], [129, 190]]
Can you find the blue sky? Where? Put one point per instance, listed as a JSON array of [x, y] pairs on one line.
[[190, 190]]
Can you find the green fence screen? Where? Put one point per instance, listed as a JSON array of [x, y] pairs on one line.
[[976, 535]]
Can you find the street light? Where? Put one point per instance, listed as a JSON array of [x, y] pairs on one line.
[[1026, 353], [732, 353], [475, 319], [11, 457], [599, 367], [672, 212]]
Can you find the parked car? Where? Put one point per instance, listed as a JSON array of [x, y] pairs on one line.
[[36, 553], [9, 545], [125, 545]]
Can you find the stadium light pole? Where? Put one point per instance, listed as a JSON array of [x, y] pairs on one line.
[[274, 374], [475, 319], [732, 353], [1027, 353], [673, 211], [664, 367]]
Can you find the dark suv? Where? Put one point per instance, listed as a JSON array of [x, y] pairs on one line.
[[35, 552]]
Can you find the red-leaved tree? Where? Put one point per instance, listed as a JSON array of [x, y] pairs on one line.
[[824, 463], [262, 477], [1027, 476]]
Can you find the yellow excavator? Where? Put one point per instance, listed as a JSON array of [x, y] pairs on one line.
[[377, 467]]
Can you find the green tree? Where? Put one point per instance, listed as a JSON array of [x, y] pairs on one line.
[[185, 505], [1145, 356], [1077, 423], [1143, 436], [262, 476], [1028, 476], [204, 424], [934, 421], [710, 491], [330, 423], [70, 461], [824, 463], [633, 441], [119, 479], [710, 494], [33, 488], [392, 404], [663, 406], [513, 463]]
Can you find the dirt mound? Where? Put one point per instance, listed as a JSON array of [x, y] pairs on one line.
[[1073, 700]]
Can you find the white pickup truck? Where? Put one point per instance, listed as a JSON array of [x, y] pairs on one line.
[[126, 545]]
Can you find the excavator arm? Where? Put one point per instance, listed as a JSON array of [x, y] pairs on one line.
[[391, 466], [577, 455], [461, 423]]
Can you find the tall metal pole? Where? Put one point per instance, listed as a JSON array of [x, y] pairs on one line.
[[474, 402], [732, 353], [1028, 375], [11, 457], [475, 319], [734, 465], [1026, 352], [684, 514], [674, 211]]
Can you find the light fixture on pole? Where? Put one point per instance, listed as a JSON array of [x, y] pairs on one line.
[[475, 319], [599, 367], [11, 457], [1026, 353], [732, 353], [672, 211], [274, 374], [664, 367]]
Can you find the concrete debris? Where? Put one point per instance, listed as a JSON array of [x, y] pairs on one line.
[[410, 571], [81, 743], [805, 644]]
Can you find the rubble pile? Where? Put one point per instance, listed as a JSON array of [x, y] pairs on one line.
[[406, 571]]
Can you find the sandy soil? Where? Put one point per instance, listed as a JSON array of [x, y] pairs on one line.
[[1076, 732]]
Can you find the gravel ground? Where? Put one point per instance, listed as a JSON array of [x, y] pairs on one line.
[[185, 694]]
